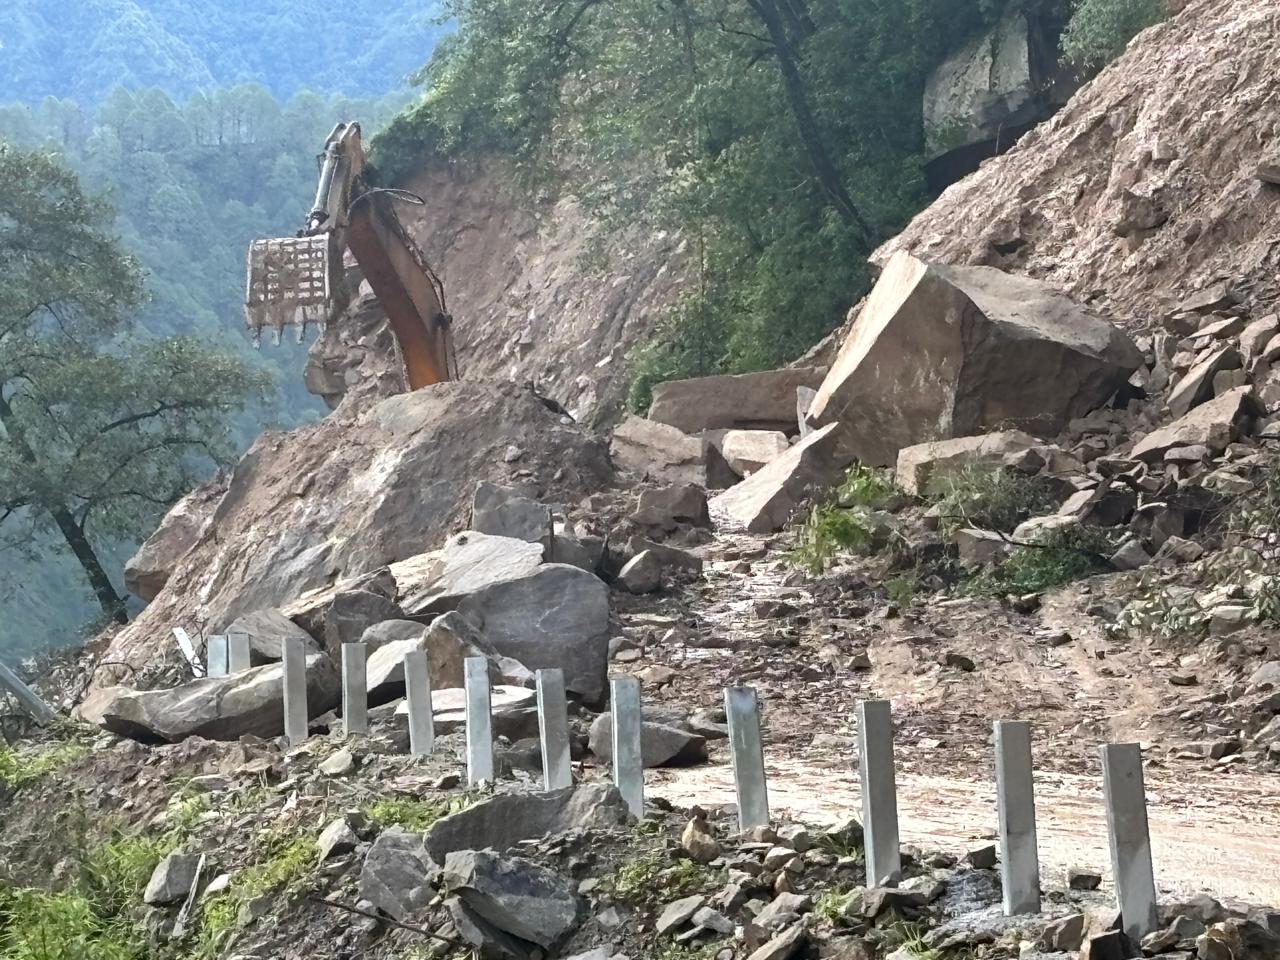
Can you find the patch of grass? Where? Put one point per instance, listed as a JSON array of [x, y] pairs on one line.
[[20, 767], [93, 918], [832, 904], [901, 590], [66, 925], [988, 499], [654, 877], [416, 814], [186, 809], [115, 874], [1062, 557], [844, 842]]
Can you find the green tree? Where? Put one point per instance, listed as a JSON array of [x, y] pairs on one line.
[[1099, 30], [782, 139], [100, 430]]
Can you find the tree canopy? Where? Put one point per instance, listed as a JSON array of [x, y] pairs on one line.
[[782, 138], [99, 430]]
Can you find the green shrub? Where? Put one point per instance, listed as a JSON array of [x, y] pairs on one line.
[[1099, 30], [1061, 557], [988, 499], [829, 532], [865, 487], [416, 814]]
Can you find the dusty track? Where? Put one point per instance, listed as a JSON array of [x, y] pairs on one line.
[[1214, 829]]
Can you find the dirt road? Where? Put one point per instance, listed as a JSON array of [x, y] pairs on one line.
[[1221, 838], [1215, 826]]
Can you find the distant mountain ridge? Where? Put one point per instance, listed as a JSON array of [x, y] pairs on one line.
[[358, 47]]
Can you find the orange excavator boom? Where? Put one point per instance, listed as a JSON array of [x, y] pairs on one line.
[[298, 281]]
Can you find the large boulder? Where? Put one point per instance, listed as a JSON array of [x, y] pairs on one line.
[[658, 451], [505, 820], [661, 744], [752, 401], [216, 708], [765, 500], [746, 451], [267, 631], [923, 464], [343, 616], [1211, 425], [557, 617], [940, 351], [503, 512], [516, 895], [397, 874], [987, 94], [148, 570], [366, 487], [540, 614], [435, 582], [449, 640]]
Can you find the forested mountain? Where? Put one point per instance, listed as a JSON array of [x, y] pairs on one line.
[[357, 48]]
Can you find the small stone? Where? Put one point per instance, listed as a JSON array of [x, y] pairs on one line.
[[784, 946], [982, 858], [783, 909], [1081, 878], [699, 842], [336, 839], [777, 857], [1064, 935], [171, 880], [1130, 556], [679, 912], [642, 573], [338, 765], [713, 920], [957, 660], [795, 836]]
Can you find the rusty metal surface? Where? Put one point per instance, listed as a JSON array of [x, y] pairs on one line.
[[290, 283]]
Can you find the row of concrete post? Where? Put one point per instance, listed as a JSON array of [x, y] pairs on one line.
[[1123, 786]]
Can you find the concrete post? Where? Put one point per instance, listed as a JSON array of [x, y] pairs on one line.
[[1126, 798], [295, 691], [742, 707], [355, 699], [188, 649], [879, 792], [239, 653], [218, 657], [479, 721], [417, 688], [40, 711], [553, 729], [1015, 801], [628, 764]]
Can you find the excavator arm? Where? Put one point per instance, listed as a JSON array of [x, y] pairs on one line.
[[297, 281]]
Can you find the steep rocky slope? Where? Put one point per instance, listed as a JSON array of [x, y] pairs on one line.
[[1144, 188], [539, 291]]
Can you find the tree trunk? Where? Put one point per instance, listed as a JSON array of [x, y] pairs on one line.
[[110, 601], [73, 533], [825, 170]]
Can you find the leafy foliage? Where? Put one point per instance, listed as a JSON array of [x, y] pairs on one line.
[[193, 182], [416, 814], [652, 877], [101, 429], [357, 47], [1061, 557], [988, 499], [1099, 30], [779, 141], [846, 524]]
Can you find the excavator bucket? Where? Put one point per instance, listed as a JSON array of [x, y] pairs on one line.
[[291, 283]]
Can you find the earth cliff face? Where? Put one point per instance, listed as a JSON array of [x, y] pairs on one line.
[[539, 292]]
